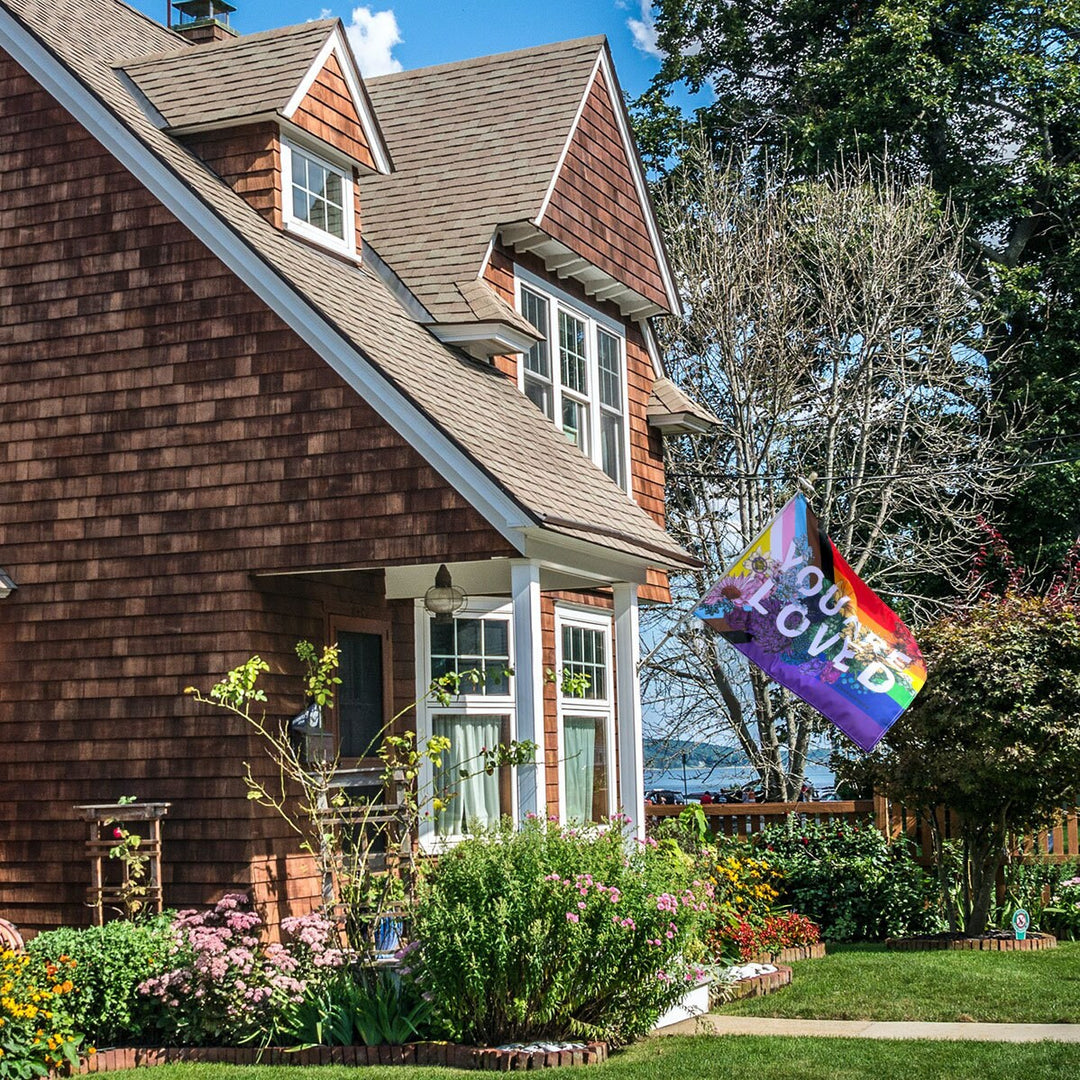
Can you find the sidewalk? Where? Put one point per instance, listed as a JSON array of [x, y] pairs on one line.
[[719, 1024]]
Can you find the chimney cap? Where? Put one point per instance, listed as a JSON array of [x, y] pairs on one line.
[[204, 9]]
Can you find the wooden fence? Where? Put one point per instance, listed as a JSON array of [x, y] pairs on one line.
[[1061, 843]]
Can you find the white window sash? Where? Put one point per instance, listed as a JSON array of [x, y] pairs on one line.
[[346, 244]]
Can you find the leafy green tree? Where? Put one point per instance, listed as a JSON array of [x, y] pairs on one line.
[[980, 97], [993, 735]]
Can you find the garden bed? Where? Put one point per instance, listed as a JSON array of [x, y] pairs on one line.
[[999, 941], [489, 1059]]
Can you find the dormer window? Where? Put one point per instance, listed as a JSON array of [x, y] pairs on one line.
[[318, 198], [576, 374]]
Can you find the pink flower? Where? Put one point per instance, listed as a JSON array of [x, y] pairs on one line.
[[572, 916]]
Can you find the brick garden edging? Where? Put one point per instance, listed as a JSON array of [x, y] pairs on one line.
[[759, 985], [426, 1053], [1031, 943], [792, 952]]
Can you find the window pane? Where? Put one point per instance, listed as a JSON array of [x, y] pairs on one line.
[[497, 638], [611, 447], [535, 309], [468, 637], [472, 799], [584, 653], [496, 679], [572, 353], [610, 368], [539, 394], [318, 194], [442, 638], [574, 424], [585, 768]]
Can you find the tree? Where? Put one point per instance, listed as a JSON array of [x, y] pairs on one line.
[[993, 735], [830, 330], [977, 97]]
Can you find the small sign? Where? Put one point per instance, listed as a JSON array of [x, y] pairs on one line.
[[1021, 920]]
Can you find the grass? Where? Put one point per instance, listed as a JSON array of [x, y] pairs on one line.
[[727, 1058], [869, 983]]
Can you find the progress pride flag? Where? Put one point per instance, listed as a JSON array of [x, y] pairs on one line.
[[794, 607]]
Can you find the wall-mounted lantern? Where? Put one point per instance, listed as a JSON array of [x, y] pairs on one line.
[[7, 586]]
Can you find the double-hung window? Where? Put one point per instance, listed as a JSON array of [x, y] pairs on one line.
[[576, 374], [478, 646], [317, 198], [586, 714]]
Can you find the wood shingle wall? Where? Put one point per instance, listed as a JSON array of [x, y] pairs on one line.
[[164, 438]]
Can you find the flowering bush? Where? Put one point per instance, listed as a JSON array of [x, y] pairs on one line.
[[1062, 914], [745, 885], [111, 961], [554, 932], [763, 937], [219, 984], [850, 880], [36, 1034]]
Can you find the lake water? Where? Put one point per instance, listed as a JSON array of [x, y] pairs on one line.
[[723, 778]]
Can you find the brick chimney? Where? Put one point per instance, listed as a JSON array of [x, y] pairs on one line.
[[201, 21]]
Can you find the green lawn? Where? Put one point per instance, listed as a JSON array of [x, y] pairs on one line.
[[870, 983], [727, 1058]]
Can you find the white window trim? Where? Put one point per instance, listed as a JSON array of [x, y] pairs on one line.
[[594, 320], [346, 245], [591, 619], [475, 704]]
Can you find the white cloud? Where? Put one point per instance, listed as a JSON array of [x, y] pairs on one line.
[[644, 31], [372, 37]]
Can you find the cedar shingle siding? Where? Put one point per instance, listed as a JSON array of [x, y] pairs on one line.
[[166, 436]]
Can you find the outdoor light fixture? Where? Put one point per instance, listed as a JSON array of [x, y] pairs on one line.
[[7, 586], [444, 599]]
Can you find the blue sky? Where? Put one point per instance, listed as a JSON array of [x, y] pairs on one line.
[[416, 33]]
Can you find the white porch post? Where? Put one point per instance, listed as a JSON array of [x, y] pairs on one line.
[[628, 697], [529, 681]]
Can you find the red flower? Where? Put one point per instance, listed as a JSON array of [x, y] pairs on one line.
[[118, 833]]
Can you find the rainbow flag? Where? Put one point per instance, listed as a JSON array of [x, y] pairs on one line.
[[797, 610]]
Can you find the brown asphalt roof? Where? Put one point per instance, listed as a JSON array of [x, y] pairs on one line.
[[473, 404], [230, 79], [475, 146]]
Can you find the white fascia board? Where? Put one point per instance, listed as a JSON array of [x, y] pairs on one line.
[[501, 337], [501, 511], [652, 348], [336, 43], [568, 554]]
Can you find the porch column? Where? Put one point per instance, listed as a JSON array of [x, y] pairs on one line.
[[529, 681], [628, 699]]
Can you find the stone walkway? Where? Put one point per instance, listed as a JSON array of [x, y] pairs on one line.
[[719, 1024]]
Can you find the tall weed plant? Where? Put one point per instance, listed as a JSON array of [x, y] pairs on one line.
[[556, 932]]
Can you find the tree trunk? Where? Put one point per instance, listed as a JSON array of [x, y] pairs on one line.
[[986, 859]]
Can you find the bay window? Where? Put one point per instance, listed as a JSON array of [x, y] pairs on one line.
[[576, 373]]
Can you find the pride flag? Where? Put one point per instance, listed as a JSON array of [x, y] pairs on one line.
[[797, 610]]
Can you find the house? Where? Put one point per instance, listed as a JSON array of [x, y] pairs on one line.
[[276, 347]]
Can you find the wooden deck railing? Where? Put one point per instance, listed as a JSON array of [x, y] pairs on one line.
[[1060, 843], [743, 820]]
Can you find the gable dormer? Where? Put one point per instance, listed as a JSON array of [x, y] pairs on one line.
[[283, 117]]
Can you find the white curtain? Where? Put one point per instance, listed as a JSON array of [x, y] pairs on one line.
[[475, 798], [579, 768]]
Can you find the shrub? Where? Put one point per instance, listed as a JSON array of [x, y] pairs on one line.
[[850, 880], [110, 962], [745, 886], [549, 933], [36, 1031], [220, 985]]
